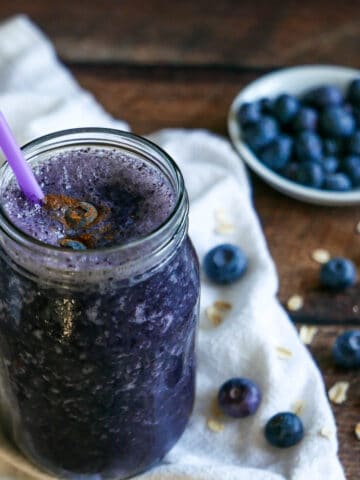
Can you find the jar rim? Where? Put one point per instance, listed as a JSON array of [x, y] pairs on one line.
[[113, 135]]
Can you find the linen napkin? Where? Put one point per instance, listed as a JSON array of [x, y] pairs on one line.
[[38, 95]]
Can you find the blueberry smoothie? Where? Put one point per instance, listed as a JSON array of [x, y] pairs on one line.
[[98, 306]]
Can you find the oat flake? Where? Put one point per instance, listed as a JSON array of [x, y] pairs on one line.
[[283, 353], [307, 334], [214, 315], [298, 407], [222, 306], [320, 255], [295, 303], [357, 431], [338, 392], [326, 432], [223, 224], [357, 228], [215, 426]]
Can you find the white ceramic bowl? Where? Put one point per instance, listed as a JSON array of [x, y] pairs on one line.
[[295, 81]]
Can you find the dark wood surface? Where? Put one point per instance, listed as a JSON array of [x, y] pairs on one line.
[[179, 64]]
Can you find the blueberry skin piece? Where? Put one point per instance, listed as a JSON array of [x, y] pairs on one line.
[[354, 91], [225, 264], [239, 397], [310, 174], [308, 146], [337, 182], [336, 122], [351, 165], [284, 430], [248, 112], [277, 154], [346, 349], [305, 119], [285, 108], [324, 96], [330, 164], [338, 273], [354, 143]]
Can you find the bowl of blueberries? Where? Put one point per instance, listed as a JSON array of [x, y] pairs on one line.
[[299, 129]]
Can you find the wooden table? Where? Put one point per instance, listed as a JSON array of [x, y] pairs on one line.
[[179, 64]]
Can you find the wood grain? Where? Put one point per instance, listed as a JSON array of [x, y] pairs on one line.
[[228, 32]]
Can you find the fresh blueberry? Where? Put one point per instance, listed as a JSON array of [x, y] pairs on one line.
[[310, 174], [266, 105], [225, 263], [336, 122], [346, 349], [338, 273], [308, 146], [239, 397], [285, 108], [354, 92], [332, 146], [354, 143], [284, 430], [356, 115], [248, 113], [259, 134], [305, 119], [351, 165], [290, 171], [324, 96], [330, 164], [277, 154], [338, 182]]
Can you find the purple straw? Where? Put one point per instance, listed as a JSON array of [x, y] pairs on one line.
[[22, 171]]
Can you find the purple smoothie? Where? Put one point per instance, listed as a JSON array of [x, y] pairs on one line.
[[98, 364]]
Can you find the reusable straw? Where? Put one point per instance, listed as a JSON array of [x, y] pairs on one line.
[[22, 171]]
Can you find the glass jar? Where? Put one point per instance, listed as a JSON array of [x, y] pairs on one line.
[[97, 346]]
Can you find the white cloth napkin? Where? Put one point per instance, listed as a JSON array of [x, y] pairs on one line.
[[38, 95]]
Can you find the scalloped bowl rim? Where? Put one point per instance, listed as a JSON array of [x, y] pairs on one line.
[[297, 80]]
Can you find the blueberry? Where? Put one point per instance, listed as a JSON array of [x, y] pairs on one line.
[[346, 349], [351, 165], [338, 182], [259, 134], [354, 91], [305, 119], [290, 171], [354, 143], [338, 273], [225, 263], [284, 430], [324, 96], [330, 164], [277, 154], [332, 146], [285, 108], [239, 397], [308, 146], [336, 122], [248, 113], [356, 115], [310, 174], [266, 105]]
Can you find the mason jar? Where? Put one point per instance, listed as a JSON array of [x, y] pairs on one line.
[[97, 346]]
